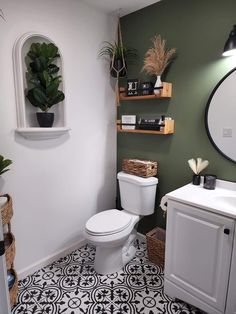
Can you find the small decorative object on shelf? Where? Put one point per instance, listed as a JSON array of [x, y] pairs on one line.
[[44, 81], [128, 122], [197, 166], [146, 88], [157, 59], [140, 167], [152, 124], [132, 87]]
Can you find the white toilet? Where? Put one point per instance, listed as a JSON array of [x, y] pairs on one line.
[[113, 231]]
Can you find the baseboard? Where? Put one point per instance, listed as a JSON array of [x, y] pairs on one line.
[[49, 259]]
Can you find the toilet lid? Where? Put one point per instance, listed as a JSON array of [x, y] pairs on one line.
[[108, 222]]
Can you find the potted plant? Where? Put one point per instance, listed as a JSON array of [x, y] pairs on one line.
[[118, 55], [44, 81], [156, 60], [4, 163]]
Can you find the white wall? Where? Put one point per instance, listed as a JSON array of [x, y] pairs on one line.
[[58, 184]]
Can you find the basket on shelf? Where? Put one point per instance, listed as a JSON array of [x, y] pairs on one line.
[[140, 167], [13, 292], [10, 248], [156, 246], [6, 209]]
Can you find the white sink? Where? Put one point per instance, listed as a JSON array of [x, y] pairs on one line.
[[226, 200], [222, 200]]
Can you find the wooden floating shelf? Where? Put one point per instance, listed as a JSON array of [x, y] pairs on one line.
[[168, 129], [165, 92]]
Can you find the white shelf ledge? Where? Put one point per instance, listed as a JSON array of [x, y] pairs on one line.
[[42, 133]]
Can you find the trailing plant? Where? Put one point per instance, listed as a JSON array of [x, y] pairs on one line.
[[158, 57], [118, 55], [4, 163], [118, 51], [43, 76]]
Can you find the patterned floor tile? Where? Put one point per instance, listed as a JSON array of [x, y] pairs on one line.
[[71, 286]]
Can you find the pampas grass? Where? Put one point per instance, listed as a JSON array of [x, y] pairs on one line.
[[158, 57], [198, 166]]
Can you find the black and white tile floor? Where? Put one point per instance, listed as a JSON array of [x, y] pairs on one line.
[[71, 286]]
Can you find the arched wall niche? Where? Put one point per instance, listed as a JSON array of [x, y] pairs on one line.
[[27, 124]]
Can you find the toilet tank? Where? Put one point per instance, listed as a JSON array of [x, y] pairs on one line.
[[137, 194]]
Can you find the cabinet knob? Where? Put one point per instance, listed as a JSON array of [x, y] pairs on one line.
[[226, 231]]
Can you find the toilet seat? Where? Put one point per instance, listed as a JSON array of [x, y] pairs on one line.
[[108, 222]]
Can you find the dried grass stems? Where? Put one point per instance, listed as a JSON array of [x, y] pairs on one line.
[[158, 57]]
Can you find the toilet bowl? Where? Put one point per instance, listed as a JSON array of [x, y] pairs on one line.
[[113, 231]]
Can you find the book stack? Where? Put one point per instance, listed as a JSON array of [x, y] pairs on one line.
[[151, 124]]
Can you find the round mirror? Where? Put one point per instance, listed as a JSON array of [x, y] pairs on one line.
[[220, 116]]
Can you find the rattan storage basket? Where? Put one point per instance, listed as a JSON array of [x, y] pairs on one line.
[[10, 249], [156, 246], [6, 209], [13, 292], [140, 167]]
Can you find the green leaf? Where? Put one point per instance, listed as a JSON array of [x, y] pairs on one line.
[[31, 98], [58, 98], [53, 69], [47, 78], [52, 88], [4, 163], [40, 95]]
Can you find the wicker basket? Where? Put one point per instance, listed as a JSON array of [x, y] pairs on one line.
[[139, 167], [13, 292], [6, 209], [156, 246], [10, 248]]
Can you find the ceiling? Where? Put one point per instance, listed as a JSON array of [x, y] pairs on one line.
[[120, 7]]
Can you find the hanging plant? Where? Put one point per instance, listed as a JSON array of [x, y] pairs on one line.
[[44, 81], [119, 56]]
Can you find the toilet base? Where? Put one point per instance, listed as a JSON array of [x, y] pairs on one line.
[[109, 260]]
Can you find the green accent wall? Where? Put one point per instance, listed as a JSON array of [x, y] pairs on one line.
[[198, 29]]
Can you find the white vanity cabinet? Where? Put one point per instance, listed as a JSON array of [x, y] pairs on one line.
[[199, 246]]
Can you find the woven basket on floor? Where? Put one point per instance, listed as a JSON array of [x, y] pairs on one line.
[[13, 293], [156, 246], [10, 248], [139, 167], [6, 209]]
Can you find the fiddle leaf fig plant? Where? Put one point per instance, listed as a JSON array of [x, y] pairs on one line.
[[43, 76], [4, 163]]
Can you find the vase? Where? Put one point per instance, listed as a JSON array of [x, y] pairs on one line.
[[45, 119], [157, 84], [196, 179]]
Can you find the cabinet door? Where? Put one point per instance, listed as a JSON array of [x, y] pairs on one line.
[[198, 252]]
